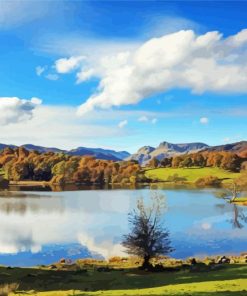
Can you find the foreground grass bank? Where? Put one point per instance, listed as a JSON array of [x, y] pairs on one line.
[[190, 175], [228, 280]]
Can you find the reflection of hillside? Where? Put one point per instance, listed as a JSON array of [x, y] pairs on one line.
[[32, 203]]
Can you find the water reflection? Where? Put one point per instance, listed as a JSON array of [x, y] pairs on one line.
[[240, 218], [21, 203], [37, 228]]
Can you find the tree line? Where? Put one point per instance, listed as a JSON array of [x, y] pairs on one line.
[[225, 160], [59, 168]]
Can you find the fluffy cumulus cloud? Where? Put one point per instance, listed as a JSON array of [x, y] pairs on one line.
[[183, 59], [14, 109]]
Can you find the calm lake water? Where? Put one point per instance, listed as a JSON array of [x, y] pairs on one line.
[[43, 227]]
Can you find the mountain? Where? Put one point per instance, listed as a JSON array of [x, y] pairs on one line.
[[42, 149], [239, 148], [142, 155], [98, 153], [2, 146], [165, 150]]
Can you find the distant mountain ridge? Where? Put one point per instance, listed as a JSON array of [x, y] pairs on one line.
[[165, 150], [239, 148], [145, 153], [99, 153]]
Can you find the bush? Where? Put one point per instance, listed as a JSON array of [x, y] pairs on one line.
[[176, 178], [208, 181]]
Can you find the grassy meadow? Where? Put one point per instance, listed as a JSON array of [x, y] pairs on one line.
[[229, 280], [190, 175]]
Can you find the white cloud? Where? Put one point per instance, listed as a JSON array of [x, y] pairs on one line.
[[14, 109], [18, 12], [39, 70], [36, 101], [66, 65], [204, 120], [52, 76], [146, 119], [122, 123], [84, 75], [59, 126], [179, 60], [143, 119], [165, 24]]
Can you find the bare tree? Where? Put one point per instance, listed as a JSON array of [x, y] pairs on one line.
[[231, 193], [147, 237]]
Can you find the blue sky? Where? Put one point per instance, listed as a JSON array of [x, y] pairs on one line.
[[122, 74]]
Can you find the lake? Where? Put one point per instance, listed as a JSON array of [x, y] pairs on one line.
[[43, 227]]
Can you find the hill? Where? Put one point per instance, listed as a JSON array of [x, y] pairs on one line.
[[239, 148], [190, 175]]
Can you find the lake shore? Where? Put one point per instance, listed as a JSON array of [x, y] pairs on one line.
[[89, 277]]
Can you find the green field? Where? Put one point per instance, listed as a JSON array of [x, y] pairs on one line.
[[231, 280], [190, 174]]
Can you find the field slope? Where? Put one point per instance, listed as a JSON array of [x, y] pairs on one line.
[[231, 280], [190, 174]]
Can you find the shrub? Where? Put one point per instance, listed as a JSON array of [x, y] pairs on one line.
[[208, 181]]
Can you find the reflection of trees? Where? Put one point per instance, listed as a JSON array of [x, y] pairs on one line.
[[231, 194], [239, 217], [23, 203]]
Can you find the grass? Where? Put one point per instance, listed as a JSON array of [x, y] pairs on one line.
[[190, 175], [230, 280]]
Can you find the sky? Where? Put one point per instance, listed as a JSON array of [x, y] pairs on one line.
[[122, 74]]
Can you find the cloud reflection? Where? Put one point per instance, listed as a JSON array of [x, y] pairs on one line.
[[97, 219]]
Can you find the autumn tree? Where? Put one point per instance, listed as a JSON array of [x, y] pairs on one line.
[[147, 238], [176, 161], [153, 163], [231, 162], [187, 162], [166, 162]]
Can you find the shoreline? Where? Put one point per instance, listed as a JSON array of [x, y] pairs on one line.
[[28, 183], [105, 278]]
